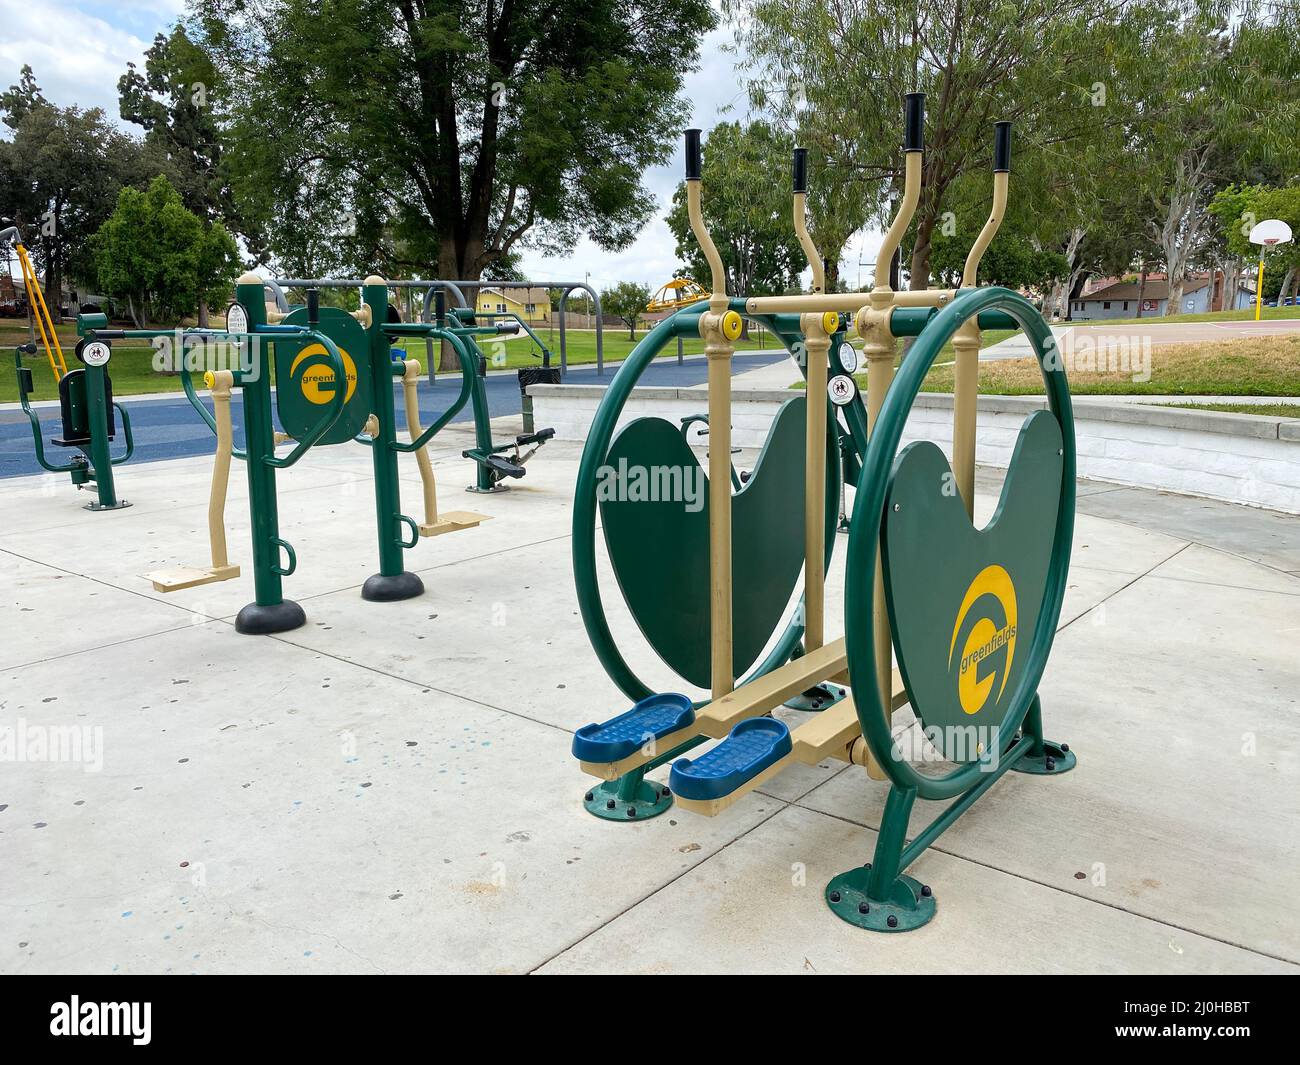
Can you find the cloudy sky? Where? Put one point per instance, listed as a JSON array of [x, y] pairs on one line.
[[79, 49]]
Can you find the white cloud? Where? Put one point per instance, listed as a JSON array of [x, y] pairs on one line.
[[76, 53]]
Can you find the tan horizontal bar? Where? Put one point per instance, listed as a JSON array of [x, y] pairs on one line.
[[829, 734], [845, 301]]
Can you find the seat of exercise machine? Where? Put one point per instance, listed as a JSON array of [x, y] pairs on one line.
[[753, 745], [74, 409], [505, 466], [539, 437], [652, 718]]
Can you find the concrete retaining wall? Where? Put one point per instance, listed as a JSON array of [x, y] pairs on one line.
[[1240, 458]]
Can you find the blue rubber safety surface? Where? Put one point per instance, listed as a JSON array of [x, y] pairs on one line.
[[619, 737], [753, 745], [170, 429]]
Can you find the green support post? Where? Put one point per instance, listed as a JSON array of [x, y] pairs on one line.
[[269, 612], [393, 582], [101, 461]]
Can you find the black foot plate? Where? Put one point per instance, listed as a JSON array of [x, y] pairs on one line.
[[258, 620], [382, 588]]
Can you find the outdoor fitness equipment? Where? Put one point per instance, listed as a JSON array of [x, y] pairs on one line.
[[86, 409], [969, 614], [334, 377], [494, 462]]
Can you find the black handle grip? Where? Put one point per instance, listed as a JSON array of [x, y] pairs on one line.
[[801, 170], [104, 334], [693, 156], [914, 122], [440, 306], [27, 349], [313, 306], [1002, 148]]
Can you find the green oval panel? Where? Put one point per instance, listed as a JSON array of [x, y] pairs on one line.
[[964, 602], [304, 379]]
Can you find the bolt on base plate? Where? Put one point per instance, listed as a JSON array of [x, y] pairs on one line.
[[119, 505], [1057, 759], [651, 800], [913, 904]]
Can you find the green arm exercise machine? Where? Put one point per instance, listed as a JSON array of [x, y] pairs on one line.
[[953, 621], [334, 382], [86, 409], [86, 405]]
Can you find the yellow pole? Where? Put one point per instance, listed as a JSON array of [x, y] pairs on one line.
[[966, 344], [718, 327], [219, 383], [410, 378], [36, 299], [1259, 284]]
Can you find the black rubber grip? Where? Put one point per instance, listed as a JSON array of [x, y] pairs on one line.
[[801, 170], [914, 122], [313, 306], [440, 306], [693, 156], [1002, 147], [106, 334]]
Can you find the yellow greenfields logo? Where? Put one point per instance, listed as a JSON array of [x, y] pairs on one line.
[[317, 379], [984, 638]]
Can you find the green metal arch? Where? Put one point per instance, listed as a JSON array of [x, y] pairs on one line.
[[868, 512], [586, 581]]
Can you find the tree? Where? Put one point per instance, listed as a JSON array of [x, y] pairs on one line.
[[1219, 96], [458, 129], [1237, 210], [834, 74], [160, 257], [60, 176], [747, 209], [626, 300]]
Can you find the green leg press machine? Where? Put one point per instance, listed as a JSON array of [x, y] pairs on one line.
[[954, 621]]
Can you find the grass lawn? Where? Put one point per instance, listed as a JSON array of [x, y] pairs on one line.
[[1268, 366], [1211, 316], [133, 373], [1264, 410]]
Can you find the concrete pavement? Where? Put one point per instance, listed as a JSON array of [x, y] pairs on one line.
[[389, 788]]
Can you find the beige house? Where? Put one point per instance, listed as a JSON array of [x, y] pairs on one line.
[[532, 304]]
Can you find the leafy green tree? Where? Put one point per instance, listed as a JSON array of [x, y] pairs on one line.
[[1238, 209], [747, 209], [1220, 91], [159, 257], [834, 74], [626, 300], [455, 130], [20, 100], [60, 175]]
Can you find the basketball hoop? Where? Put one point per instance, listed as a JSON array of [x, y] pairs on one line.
[[1269, 232]]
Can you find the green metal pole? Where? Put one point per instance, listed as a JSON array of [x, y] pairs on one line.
[[101, 462], [270, 611], [392, 582], [482, 423]]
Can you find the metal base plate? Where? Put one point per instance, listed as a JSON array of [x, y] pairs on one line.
[[911, 905], [1058, 759], [487, 491], [603, 801], [818, 697], [121, 504]]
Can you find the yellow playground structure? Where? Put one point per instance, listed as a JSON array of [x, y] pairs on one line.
[[679, 292]]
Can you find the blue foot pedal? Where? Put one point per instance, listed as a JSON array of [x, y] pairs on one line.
[[753, 745], [622, 736]]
